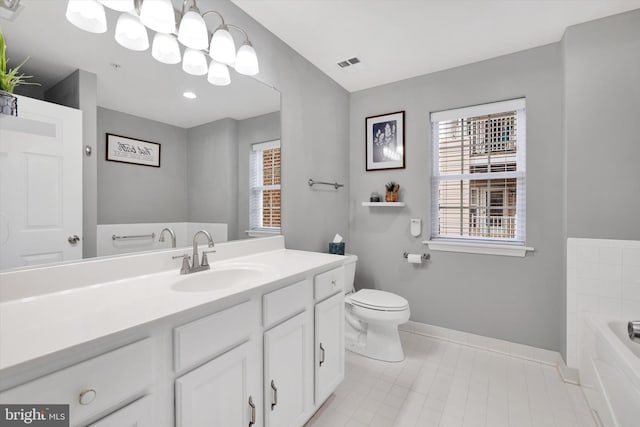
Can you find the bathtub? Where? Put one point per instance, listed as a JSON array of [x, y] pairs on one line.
[[610, 372]]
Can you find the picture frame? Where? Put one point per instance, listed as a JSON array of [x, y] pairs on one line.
[[384, 141], [123, 149]]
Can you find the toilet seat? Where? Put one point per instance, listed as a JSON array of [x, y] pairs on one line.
[[373, 299]]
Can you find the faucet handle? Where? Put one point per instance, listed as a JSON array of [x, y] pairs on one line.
[[185, 262], [205, 260]]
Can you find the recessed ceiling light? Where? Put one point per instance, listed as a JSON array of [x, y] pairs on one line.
[[189, 95]]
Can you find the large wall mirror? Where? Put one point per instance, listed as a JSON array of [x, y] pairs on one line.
[[219, 154]]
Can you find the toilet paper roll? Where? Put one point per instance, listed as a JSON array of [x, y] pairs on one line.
[[414, 259]]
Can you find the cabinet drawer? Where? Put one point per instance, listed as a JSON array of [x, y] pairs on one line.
[[285, 302], [329, 283], [136, 414], [100, 383], [207, 337]]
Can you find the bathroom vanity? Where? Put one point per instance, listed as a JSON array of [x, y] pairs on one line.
[[255, 341]]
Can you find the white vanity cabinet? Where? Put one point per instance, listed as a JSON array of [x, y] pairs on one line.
[[93, 387], [222, 392], [329, 346], [288, 355], [266, 356]]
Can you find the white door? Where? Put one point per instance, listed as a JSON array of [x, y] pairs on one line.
[[40, 184], [329, 346], [287, 364], [136, 414], [222, 392]]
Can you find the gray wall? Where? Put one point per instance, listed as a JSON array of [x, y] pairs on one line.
[[602, 108], [79, 90], [130, 193], [255, 129], [315, 134], [212, 174], [517, 299]]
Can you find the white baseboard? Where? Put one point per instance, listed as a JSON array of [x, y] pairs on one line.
[[520, 351]]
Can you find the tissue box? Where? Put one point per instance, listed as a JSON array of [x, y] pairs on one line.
[[336, 248]]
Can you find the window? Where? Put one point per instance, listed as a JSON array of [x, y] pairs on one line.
[[264, 203], [478, 179]]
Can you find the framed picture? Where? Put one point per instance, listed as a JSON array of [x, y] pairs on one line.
[[385, 141], [128, 150]]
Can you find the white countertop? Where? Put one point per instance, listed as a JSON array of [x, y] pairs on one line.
[[39, 325]]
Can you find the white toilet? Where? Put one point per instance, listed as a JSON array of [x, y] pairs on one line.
[[372, 319]]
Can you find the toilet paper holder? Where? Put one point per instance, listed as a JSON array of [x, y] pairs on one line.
[[425, 257]]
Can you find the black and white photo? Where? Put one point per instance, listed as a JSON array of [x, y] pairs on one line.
[[385, 141]]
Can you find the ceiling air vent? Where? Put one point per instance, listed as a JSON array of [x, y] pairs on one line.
[[348, 62]]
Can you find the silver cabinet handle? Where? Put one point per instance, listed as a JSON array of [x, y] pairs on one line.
[[274, 400], [321, 354], [74, 239], [253, 412]]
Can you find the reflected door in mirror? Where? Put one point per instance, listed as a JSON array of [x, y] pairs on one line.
[[40, 185]]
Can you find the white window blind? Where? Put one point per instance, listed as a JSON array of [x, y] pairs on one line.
[[264, 180], [478, 173]]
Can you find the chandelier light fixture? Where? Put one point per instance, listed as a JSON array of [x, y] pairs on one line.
[[136, 16]]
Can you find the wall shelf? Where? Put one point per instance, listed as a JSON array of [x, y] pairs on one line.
[[381, 204]]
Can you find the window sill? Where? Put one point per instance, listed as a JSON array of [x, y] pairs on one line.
[[478, 248], [262, 233]]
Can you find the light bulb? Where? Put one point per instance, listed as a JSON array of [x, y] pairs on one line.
[[158, 15], [194, 62], [130, 32], [218, 74], [246, 60], [193, 31], [165, 48], [223, 48], [119, 5], [87, 15]]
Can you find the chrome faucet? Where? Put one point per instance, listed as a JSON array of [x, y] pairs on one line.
[[634, 330], [204, 265], [196, 264], [172, 233]]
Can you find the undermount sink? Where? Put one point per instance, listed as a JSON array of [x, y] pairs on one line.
[[220, 277]]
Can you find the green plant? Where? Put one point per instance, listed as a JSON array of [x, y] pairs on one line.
[[10, 79]]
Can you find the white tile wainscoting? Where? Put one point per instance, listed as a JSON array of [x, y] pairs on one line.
[[603, 276]]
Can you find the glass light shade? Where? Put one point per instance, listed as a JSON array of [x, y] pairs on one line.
[[223, 48], [119, 5], [158, 15], [130, 32], [194, 62], [246, 60], [87, 15], [165, 49], [193, 31], [218, 74]]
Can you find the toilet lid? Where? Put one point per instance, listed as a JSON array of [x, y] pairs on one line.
[[379, 300]]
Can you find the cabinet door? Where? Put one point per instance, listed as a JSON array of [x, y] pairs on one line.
[[221, 392], [136, 414], [329, 346], [288, 374]]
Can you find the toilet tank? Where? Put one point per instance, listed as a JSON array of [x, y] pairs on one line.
[[349, 272]]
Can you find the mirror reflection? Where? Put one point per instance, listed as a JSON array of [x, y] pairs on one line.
[[144, 147]]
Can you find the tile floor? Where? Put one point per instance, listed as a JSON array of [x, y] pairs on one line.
[[450, 385]]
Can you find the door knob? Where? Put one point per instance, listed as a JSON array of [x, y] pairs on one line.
[[74, 239]]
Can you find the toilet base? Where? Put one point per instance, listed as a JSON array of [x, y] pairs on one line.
[[380, 342]]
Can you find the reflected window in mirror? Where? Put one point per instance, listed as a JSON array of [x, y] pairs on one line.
[[264, 203]]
